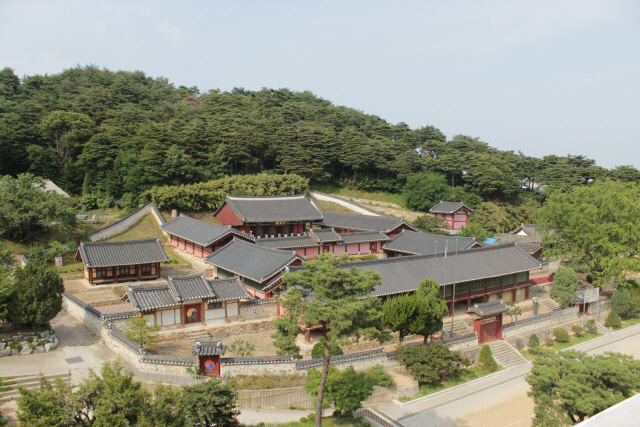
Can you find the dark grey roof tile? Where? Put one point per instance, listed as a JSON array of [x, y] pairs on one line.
[[128, 252], [291, 242], [404, 274], [322, 236], [448, 207], [268, 209], [382, 224], [414, 243], [488, 309], [151, 298], [201, 232], [208, 348], [255, 262]]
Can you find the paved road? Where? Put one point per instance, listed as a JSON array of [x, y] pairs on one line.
[[500, 400], [70, 332]]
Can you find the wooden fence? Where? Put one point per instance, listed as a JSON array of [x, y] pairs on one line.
[[295, 397]]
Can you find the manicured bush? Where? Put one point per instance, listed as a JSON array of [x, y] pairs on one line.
[[303, 420], [590, 278], [381, 377], [613, 320], [534, 342], [591, 326], [621, 301], [561, 335], [548, 342], [577, 330], [430, 363], [311, 417], [486, 360]]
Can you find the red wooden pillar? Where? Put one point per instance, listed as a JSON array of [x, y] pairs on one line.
[[526, 293], [513, 295], [307, 333]]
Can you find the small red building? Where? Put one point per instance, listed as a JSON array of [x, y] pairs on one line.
[[269, 216], [349, 223], [455, 213], [208, 353], [411, 243], [487, 320], [200, 238]]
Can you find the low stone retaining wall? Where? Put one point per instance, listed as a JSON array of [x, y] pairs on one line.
[[540, 321], [127, 222], [231, 329]]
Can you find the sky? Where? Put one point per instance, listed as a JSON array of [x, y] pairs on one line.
[[541, 77]]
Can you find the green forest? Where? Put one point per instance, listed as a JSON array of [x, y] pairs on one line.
[[113, 136]]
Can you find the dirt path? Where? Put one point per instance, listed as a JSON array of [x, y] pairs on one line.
[[388, 208]]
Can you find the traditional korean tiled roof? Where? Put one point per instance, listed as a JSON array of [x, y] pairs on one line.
[[324, 236], [269, 209], [200, 232], [208, 348], [488, 309], [415, 243], [381, 224], [150, 298], [448, 207], [291, 242], [190, 287], [306, 364], [273, 282], [363, 237], [168, 360], [128, 252], [404, 274], [255, 262], [262, 360]]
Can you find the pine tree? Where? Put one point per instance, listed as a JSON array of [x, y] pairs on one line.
[[534, 342], [486, 360], [621, 301], [613, 320]]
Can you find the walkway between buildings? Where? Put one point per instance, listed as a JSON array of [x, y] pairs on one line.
[[444, 408]]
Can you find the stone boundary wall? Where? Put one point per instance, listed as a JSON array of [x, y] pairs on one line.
[[248, 310], [520, 327], [175, 270], [127, 222], [83, 312], [343, 201]]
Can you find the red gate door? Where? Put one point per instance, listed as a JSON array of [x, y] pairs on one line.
[[192, 313], [210, 365], [489, 332]]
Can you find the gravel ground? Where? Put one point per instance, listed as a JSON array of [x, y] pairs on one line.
[[182, 348]]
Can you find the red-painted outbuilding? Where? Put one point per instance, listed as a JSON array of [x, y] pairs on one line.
[[455, 213]]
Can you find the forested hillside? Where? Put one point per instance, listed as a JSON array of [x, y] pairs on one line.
[[117, 134]]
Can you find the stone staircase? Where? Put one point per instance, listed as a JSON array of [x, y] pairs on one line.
[[549, 304], [197, 335], [505, 354], [460, 327], [29, 382]]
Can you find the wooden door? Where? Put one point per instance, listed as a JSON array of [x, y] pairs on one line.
[[210, 365], [192, 313], [490, 332]]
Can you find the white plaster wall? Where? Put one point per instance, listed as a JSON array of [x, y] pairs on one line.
[[217, 313], [232, 309]]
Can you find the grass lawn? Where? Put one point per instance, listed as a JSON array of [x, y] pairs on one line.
[[334, 207], [458, 378], [69, 265], [44, 238], [559, 346], [630, 321], [201, 215], [377, 195]]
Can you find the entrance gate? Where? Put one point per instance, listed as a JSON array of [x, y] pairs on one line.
[[487, 320]]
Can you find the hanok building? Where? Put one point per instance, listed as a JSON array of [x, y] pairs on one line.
[[318, 241], [269, 216], [411, 243], [349, 223], [260, 268], [469, 277], [455, 213], [200, 238], [527, 236], [184, 300], [126, 261]]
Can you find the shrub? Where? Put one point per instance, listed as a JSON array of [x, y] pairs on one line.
[[591, 326], [577, 330], [318, 350], [621, 301], [548, 342], [303, 420], [534, 342], [311, 417], [381, 377], [561, 335], [486, 360], [241, 348], [430, 363], [590, 278], [613, 320]]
